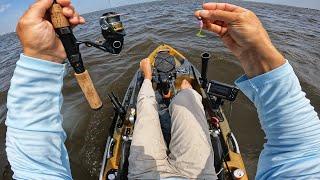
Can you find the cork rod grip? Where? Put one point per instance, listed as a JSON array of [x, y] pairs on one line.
[[58, 20], [86, 85]]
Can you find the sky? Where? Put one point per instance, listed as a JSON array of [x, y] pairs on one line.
[[314, 4], [11, 10]]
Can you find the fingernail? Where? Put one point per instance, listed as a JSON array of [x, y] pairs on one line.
[[82, 20], [203, 13]]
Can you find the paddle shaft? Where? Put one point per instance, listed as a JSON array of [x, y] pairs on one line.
[[64, 31]]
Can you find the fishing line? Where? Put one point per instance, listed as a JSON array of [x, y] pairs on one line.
[[154, 41], [230, 110], [108, 4]]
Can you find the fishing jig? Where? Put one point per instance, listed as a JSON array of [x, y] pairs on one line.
[[200, 22], [200, 32]]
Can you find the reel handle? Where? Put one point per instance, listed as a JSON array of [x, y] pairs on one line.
[[63, 29]]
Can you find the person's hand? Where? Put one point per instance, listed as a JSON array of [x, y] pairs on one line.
[[37, 34], [185, 84], [145, 67], [242, 32]]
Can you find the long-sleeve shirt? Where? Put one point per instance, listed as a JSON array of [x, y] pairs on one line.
[[35, 137], [291, 125]]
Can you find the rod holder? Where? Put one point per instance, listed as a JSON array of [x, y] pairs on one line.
[[204, 68]]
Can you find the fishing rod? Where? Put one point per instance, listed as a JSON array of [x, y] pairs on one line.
[[222, 91], [113, 32], [211, 112]]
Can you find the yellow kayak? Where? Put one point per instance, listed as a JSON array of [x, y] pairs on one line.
[[169, 62]]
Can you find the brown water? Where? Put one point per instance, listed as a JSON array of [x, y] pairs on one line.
[[295, 31]]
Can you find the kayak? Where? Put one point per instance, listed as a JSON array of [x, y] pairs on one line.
[[170, 67]]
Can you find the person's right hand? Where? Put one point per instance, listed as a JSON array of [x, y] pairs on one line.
[[37, 34], [242, 32], [145, 67]]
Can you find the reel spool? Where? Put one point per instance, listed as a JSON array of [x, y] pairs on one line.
[[112, 31]]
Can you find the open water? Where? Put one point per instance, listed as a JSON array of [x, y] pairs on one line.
[[294, 31]]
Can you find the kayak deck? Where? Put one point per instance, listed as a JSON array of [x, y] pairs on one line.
[[168, 62]]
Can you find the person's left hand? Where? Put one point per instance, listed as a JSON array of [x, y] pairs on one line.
[[145, 67], [37, 35]]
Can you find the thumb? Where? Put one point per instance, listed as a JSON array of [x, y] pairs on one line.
[[38, 10], [214, 15]]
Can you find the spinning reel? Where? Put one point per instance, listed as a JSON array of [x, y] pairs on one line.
[[113, 33]]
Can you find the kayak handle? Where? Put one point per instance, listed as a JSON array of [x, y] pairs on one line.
[[64, 31]]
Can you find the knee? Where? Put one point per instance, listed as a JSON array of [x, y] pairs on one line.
[[187, 96], [188, 99]]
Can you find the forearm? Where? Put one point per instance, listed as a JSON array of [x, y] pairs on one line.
[[35, 137], [290, 123], [146, 91], [260, 59]]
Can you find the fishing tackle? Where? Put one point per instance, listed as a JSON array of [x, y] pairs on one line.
[[200, 32], [113, 32]]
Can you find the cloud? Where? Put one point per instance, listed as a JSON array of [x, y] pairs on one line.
[[4, 7]]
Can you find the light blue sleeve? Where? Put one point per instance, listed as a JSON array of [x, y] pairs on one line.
[[291, 125], [35, 137]]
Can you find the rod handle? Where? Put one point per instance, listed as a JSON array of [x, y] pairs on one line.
[[58, 20], [91, 94]]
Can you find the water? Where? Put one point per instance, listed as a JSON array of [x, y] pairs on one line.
[[295, 31]]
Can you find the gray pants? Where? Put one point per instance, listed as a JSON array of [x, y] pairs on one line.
[[191, 154]]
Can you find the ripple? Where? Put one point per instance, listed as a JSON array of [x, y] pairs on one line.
[[295, 31]]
